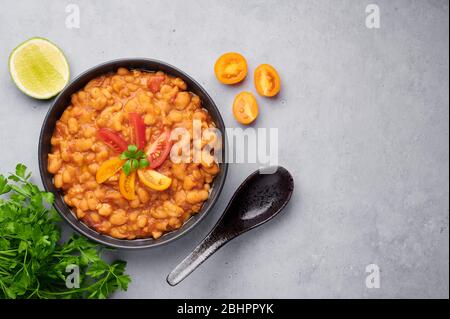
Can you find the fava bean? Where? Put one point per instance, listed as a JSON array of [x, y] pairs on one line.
[[142, 221], [105, 209], [118, 217], [72, 124], [54, 163]]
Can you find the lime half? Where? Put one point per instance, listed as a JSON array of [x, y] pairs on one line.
[[39, 68]]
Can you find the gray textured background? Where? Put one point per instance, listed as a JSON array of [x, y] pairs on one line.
[[363, 122]]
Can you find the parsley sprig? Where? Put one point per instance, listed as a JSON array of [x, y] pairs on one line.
[[33, 261], [135, 159]]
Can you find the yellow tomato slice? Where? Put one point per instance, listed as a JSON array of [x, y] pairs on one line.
[[267, 80], [230, 68], [108, 169], [127, 185], [154, 179], [245, 108]]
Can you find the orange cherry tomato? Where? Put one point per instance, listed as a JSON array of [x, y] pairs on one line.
[[267, 80], [154, 179], [245, 108], [127, 185], [108, 169], [230, 68]]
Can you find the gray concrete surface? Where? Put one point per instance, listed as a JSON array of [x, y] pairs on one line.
[[363, 122]]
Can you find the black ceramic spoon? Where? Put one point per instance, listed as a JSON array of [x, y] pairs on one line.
[[259, 198]]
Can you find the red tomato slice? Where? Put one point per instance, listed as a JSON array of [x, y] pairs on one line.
[[138, 125], [159, 150], [114, 140], [154, 82]]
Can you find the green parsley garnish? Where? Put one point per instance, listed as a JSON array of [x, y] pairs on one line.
[[135, 159], [33, 260]]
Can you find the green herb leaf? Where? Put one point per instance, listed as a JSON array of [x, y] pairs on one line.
[[132, 148], [123, 156], [49, 198], [4, 187], [140, 154], [134, 164], [88, 256], [127, 167], [128, 154], [97, 269], [14, 178], [143, 163], [20, 170], [23, 245]]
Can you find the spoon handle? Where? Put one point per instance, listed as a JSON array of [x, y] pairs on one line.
[[212, 242]]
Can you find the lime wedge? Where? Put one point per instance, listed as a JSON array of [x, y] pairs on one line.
[[39, 68]]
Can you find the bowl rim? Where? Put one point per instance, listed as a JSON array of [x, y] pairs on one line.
[[83, 228]]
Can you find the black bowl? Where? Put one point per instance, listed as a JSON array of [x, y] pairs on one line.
[[63, 101]]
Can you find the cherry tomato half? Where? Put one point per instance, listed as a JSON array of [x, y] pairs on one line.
[[154, 82], [114, 140], [108, 169], [127, 185], [245, 108], [230, 68], [138, 125], [159, 150], [267, 80], [154, 179]]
